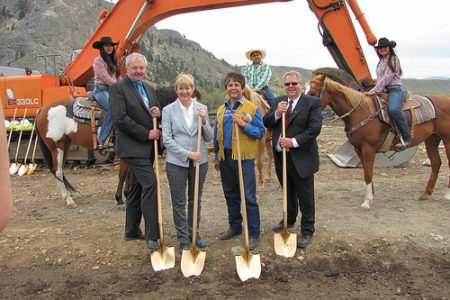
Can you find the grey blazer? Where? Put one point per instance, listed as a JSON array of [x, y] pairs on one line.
[[179, 139]]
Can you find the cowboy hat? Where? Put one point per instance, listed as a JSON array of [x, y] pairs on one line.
[[103, 40], [249, 53], [384, 42]]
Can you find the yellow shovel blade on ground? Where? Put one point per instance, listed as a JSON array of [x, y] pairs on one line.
[[193, 260], [285, 243], [163, 259], [248, 265]]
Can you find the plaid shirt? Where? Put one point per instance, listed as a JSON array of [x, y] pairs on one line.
[[385, 76], [101, 74], [258, 76]]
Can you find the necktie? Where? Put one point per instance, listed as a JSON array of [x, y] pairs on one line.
[[288, 112], [143, 96]]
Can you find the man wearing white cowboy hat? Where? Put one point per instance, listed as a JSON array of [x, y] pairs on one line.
[[258, 73]]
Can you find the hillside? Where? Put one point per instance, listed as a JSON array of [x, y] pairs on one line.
[[29, 28]]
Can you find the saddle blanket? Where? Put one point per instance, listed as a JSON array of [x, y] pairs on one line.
[[424, 110], [79, 109]]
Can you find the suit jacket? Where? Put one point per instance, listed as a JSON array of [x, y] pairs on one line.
[[132, 120], [305, 123], [179, 139]]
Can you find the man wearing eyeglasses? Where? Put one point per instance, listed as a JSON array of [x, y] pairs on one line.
[[303, 121]]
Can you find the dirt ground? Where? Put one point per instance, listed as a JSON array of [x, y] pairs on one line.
[[397, 250]]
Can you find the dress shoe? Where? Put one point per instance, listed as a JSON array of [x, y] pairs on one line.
[[152, 245], [280, 226], [253, 243], [200, 242], [184, 246], [305, 240], [138, 236], [230, 233]]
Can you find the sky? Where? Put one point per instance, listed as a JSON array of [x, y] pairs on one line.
[[288, 32]]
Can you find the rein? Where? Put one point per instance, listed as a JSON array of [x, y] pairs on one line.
[[347, 114]]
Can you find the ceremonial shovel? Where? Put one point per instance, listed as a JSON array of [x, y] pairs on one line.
[[23, 168], [32, 166], [285, 243], [193, 260], [12, 127], [15, 165], [164, 258], [248, 265]]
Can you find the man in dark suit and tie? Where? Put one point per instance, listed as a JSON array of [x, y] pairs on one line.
[[133, 105], [303, 125]]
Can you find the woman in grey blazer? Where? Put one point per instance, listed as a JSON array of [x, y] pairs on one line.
[[180, 134]]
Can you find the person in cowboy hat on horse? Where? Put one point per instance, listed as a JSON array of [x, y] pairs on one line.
[[106, 72], [258, 73], [389, 80]]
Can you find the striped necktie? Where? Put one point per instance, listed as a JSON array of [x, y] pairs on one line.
[[143, 95], [288, 112]]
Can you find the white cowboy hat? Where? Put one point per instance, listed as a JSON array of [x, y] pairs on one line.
[[249, 53]]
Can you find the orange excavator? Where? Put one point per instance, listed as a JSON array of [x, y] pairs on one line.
[[128, 20]]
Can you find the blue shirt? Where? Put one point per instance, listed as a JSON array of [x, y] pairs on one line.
[[255, 130], [137, 88]]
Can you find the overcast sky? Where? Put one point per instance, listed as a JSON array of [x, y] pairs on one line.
[[288, 32]]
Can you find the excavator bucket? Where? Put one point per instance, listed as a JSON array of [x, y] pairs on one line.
[[346, 157]]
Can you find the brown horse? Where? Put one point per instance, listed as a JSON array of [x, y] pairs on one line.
[[263, 144], [367, 133], [57, 131]]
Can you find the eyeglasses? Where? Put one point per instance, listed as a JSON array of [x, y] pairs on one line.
[[291, 83]]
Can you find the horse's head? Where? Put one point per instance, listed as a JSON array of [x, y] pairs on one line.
[[315, 87]]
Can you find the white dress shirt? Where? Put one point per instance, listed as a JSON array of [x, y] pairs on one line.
[[294, 141]]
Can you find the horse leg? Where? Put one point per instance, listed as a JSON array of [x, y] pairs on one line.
[[446, 143], [432, 147], [260, 164], [367, 157], [60, 180], [123, 170], [269, 152]]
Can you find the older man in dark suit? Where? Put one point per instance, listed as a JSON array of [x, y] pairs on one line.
[[303, 125], [133, 105]]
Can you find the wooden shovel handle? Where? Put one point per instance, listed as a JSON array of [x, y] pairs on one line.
[[283, 134], [197, 178], [158, 189], [241, 185]]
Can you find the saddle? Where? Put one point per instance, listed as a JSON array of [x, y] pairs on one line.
[[86, 110], [416, 109]]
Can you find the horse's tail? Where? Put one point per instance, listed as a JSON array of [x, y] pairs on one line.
[[49, 160]]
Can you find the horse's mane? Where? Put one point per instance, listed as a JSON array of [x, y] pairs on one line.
[[353, 97], [255, 98]]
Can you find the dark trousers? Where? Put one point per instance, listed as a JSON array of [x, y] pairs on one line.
[[300, 192], [142, 199], [229, 174]]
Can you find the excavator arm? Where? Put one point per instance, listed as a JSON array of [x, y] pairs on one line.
[[128, 20]]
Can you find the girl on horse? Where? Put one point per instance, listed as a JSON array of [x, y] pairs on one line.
[[106, 72], [389, 79]]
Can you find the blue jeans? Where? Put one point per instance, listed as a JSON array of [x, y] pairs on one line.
[[269, 95], [396, 98], [101, 94], [229, 174]]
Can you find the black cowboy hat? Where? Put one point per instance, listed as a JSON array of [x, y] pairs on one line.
[[384, 42], [103, 40]]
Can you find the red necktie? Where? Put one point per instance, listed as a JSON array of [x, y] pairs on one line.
[[288, 112]]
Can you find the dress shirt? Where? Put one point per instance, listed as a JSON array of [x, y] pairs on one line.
[[294, 141]]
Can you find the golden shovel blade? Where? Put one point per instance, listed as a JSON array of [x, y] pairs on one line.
[[13, 168], [192, 262], [31, 168], [248, 266], [22, 170], [163, 259], [285, 244]]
